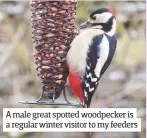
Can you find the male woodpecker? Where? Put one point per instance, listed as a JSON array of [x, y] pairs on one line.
[[91, 53]]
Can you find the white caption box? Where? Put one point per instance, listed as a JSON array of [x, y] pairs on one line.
[[71, 120]]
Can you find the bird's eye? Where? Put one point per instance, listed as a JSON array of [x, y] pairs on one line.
[[93, 18]]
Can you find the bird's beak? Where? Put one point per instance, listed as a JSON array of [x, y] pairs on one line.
[[85, 25]]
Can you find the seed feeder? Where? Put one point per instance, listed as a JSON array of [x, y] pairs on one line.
[[53, 32]]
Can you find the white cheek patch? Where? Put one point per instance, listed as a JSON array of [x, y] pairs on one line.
[[104, 17]]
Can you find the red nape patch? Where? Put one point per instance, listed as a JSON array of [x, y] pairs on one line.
[[76, 85], [110, 11]]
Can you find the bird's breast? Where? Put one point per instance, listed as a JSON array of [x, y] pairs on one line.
[[77, 54]]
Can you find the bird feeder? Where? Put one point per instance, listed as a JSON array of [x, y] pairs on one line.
[[53, 31]]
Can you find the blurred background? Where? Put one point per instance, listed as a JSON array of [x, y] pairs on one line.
[[123, 84]]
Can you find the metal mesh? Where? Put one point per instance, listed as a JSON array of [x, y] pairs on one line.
[[53, 31]]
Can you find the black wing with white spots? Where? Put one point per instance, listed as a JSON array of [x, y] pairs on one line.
[[90, 80]]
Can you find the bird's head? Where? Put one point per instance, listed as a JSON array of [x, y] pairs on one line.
[[103, 19]]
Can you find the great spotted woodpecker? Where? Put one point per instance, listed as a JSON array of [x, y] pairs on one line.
[[91, 53]]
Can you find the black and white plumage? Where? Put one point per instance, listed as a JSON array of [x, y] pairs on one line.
[[91, 53]]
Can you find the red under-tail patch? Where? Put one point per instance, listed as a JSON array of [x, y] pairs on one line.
[[76, 85]]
